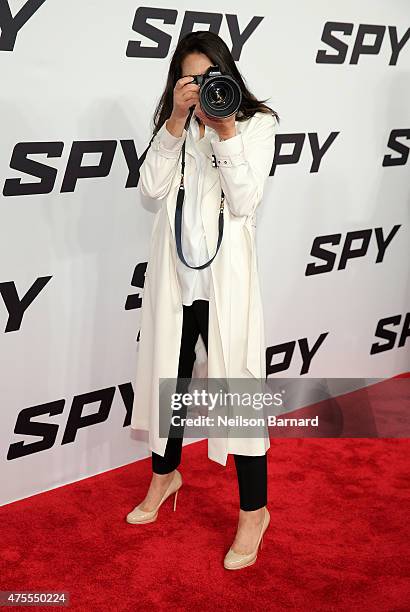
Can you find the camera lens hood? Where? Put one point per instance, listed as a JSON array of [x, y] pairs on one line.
[[220, 96]]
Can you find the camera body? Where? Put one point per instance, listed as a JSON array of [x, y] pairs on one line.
[[220, 95]]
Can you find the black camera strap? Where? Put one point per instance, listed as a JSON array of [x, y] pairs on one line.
[[178, 213], [180, 201]]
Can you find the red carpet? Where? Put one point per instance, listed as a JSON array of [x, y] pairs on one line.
[[338, 539]]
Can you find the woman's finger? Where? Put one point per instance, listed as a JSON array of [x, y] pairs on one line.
[[190, 98], [181, 82]]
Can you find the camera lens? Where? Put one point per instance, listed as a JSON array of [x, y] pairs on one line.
[[220, 96]]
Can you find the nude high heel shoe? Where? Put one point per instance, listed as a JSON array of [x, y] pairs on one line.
[[137, 515], [235, 560]]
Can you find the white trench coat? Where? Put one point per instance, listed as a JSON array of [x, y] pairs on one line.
[[236, 343]]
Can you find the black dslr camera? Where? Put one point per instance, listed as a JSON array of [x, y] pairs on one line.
[[219, 95]]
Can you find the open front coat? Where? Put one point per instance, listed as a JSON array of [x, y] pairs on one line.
[[236, 343]]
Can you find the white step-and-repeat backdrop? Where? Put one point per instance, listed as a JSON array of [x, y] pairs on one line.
[[79, 83]]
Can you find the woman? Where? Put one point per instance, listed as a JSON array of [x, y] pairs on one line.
[[218, 307]]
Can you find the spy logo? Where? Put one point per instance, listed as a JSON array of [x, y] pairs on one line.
[[348, 250], [305, 348], [397, 142], [392, 337], [10, 26], [163, 40], [367, 40]]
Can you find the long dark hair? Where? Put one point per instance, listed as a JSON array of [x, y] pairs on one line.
[[216, 49]]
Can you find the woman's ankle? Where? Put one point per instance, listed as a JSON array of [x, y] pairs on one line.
[[251, 516], [161, 478]]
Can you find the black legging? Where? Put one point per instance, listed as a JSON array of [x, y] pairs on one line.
[[251, 470]]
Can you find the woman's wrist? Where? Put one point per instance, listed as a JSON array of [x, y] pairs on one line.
[[175, 126]]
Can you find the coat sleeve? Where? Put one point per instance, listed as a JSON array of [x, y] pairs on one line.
[[244, 163], [159, 165]]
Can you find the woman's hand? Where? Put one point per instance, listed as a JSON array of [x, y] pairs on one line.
[[224, 127], [185, 96]]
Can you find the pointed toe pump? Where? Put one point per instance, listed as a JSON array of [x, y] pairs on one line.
[[138, 516], [235, 560]]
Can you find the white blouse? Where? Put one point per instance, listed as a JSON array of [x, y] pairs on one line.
[[195, 284]]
